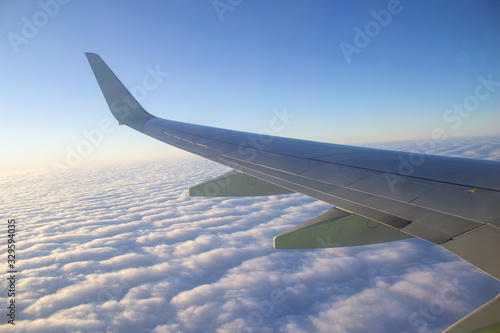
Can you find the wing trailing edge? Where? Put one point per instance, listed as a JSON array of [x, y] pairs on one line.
[[485, 319]]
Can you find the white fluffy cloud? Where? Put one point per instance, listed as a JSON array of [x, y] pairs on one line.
[[125, 249]]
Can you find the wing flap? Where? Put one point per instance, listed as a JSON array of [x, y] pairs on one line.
[[430, 225], [485, 319], [401, 190], [480, 247], [460, 203]]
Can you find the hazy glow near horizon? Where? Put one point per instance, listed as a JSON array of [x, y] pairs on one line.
[[349, 72]]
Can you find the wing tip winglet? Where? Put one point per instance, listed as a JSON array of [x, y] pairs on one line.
[[121, 102]]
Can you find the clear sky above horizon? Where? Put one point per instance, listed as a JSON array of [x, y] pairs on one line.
[[349, 72]]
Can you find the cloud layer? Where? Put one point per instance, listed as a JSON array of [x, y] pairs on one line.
[[125, 249]]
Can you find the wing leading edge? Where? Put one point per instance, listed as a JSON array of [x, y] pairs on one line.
[[452, 202]]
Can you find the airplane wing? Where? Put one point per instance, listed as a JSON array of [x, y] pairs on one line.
[[379, 195]]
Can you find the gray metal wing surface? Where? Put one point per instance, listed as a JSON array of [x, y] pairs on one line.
[[452, 202]]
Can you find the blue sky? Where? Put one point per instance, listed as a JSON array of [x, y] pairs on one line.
[[231, 63]]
